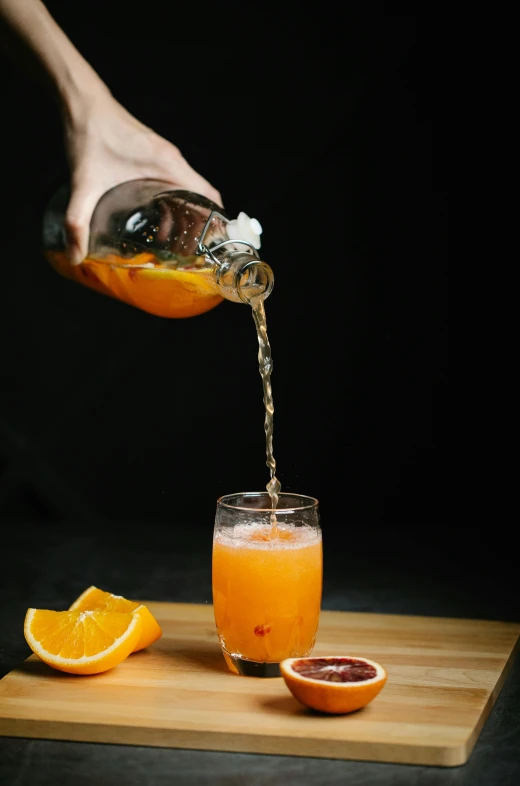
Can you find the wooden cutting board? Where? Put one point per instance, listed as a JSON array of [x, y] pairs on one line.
[[444, 676]]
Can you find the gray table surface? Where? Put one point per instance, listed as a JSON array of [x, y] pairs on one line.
[[50, 568]]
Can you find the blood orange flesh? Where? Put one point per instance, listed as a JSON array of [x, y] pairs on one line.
[[335, 669]]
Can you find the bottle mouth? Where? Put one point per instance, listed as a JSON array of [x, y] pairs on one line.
[[253, 281], [244, 279]]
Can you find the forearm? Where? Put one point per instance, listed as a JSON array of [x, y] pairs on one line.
[[30, 32]]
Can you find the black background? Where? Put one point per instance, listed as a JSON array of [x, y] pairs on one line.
[[324, 128]]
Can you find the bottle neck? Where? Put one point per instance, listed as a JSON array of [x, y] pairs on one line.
[[242, 276]]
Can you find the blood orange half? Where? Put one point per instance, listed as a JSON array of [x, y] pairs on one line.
[[333, 684]]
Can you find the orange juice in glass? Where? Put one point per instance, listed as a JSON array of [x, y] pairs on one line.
[[267, 579]]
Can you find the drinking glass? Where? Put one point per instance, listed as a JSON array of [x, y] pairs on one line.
[[267, 579]]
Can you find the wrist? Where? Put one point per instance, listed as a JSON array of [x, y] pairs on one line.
[[81, 93]]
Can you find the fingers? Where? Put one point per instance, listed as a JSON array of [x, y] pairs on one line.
[[77, 222], [194, 182], [215, 196], [207, 190], [186, 177]]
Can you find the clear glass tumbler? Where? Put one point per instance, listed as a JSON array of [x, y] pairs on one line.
[[267, 579]]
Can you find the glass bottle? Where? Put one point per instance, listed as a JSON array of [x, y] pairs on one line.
[[169, 252]]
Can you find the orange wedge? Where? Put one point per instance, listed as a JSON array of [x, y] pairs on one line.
[[333, 684], [81, 642], [94, 598]]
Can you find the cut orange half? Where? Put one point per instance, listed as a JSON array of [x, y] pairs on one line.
[[333, 684], [81, 642], [94, 598]]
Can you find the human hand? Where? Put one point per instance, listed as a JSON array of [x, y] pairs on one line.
[[106, 145]]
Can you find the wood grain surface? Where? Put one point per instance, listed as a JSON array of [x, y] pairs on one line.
[[444, 676]]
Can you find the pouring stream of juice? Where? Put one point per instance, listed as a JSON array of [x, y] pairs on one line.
[[265, 363]]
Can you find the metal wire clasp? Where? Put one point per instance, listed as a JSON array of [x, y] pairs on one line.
[[237, 259], [203, 249]]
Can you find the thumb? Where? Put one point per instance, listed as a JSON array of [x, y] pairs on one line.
[[77, 223]]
